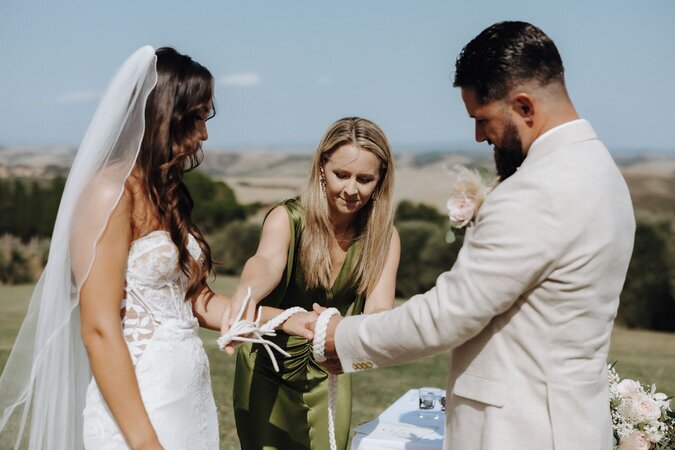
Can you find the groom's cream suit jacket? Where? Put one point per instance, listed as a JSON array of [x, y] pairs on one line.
[[528, 306]]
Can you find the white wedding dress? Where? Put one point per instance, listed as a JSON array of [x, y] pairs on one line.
[[170, 362]]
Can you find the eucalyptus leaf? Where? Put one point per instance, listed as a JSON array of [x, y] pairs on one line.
[[450, 237]]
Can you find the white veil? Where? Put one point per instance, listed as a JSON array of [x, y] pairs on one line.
[[43, 385]]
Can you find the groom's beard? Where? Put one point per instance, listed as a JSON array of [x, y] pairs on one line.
[[509, 155]]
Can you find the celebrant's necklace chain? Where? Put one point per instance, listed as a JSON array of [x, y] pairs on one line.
[[251, 331]]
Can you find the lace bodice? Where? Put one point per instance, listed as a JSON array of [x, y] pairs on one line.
[[171, 366], [155, 290]]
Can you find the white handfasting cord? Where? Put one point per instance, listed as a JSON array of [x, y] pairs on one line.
[[240, 329], [318, 350]]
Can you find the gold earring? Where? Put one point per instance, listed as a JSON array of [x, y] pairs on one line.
[[322, 183]]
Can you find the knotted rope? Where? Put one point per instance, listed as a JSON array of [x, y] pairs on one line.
[[318, 350], [242, 329]]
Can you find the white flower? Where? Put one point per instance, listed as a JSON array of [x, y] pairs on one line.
[[628, 388], [654, 433], [662, 400], [647, 409], [635, 441], [461, 209], [639, 408], [468, 193]]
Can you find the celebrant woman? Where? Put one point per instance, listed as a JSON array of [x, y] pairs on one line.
[[335, 245]]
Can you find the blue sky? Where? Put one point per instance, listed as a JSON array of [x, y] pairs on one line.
[[286, 69]]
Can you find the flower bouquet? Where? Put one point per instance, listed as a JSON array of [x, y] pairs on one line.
[[641, 417], [469, 189]]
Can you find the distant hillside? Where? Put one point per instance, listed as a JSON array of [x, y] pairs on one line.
[[259, 175]]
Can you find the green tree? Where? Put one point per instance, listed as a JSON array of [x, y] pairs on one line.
[[22, 214], [233, 245], [214, 202], [647, 299], [15, 267], [407, 210], [424, 256], [5, 199], [50, 205]]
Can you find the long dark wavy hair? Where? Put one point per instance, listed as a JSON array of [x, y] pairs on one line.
[[171, 146]]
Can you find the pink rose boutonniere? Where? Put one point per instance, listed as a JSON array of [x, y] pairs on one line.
[[469, 189]]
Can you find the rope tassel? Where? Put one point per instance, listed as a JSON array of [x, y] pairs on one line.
[[251, 331]]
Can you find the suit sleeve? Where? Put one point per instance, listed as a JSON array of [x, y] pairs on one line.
[[511, 249]]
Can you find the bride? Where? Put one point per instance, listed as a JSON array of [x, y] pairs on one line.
[[124, 290]]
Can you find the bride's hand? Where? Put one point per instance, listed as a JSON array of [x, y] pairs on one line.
[[231, 312], [296, 324]]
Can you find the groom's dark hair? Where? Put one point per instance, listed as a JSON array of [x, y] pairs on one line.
[[504, 55]]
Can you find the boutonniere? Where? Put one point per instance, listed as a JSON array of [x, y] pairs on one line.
[[469, 189]]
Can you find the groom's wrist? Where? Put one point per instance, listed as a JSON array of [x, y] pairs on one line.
[[329, 349], [349, 346]]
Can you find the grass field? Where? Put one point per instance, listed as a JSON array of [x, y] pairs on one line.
[[644, 355]]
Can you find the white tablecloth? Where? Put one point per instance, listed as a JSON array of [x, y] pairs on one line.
[[400, 427]]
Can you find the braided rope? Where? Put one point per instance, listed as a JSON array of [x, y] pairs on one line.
[[242, 328], [276, 322], [318, 350]]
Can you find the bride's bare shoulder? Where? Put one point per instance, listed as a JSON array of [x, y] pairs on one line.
[[109, 188]]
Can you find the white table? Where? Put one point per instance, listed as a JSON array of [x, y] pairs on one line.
[[400, 427]]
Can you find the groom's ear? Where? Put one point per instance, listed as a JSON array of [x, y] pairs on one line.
[[524, 106]]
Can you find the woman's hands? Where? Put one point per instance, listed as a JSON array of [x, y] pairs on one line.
[[296, 325], [232, 311]]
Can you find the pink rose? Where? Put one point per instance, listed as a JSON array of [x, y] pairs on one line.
[[461, 209], [647, 409], [635, 441]]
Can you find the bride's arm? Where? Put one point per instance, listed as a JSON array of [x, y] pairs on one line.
[[100, 299], [209, 307], [295, 325]]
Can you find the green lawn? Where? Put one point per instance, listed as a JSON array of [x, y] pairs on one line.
[[644, 355]]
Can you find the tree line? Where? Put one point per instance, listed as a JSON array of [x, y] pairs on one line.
[[28, 210]]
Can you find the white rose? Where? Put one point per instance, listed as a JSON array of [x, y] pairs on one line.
[[635, 441], [654, 433], [662, 400], [461, 209], [628, 409], [628, 388], [647, 409]]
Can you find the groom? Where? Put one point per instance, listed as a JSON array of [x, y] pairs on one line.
[[529, 305]]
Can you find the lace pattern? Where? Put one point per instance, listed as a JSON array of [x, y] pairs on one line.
[[155, 289], [170, 363]]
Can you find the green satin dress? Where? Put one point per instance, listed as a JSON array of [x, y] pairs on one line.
[[289, 410]]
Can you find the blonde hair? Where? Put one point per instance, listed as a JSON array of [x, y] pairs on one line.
[[374, 222]]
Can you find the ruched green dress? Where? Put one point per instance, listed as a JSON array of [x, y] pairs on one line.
[[289, 410]]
